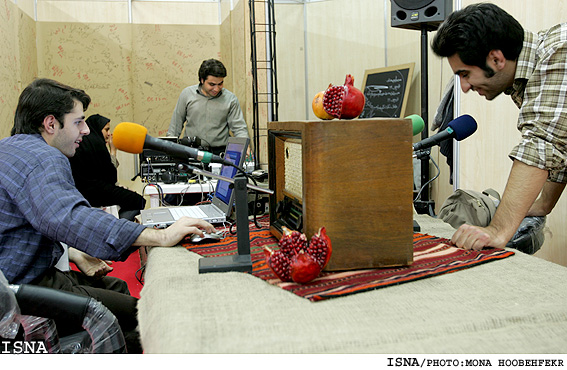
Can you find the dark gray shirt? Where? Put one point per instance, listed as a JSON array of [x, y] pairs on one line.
[[208, 118]]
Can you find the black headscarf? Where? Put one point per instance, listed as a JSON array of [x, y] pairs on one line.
[[93, 154], [95, 175]]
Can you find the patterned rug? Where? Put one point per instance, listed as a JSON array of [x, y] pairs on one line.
[[432, 256]]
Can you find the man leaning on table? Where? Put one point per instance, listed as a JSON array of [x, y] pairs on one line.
[[491, 53]]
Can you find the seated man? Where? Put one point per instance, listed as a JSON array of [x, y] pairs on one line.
[[41, 207]]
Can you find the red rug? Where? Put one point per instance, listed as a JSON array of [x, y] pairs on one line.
[[432, 256], [128, 271]]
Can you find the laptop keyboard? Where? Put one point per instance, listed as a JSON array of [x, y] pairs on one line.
[[194, 212], [211, 210]]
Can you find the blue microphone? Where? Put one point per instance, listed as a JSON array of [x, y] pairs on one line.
[[460, 128]]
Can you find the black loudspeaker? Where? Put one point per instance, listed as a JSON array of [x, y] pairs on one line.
[[420, 14]]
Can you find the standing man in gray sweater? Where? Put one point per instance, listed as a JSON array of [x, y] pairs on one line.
[[208, 110]]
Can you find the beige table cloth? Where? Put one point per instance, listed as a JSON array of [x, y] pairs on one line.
[[514, 305]]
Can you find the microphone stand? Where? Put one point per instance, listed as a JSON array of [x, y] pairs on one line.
[[422, 153], [242, 261], [183, 167]]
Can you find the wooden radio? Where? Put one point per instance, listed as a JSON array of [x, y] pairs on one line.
[[355, 178]]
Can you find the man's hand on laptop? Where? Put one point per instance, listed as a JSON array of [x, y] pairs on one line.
[[173, 234]]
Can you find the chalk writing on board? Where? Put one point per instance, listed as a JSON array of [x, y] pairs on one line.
[[386, 91]]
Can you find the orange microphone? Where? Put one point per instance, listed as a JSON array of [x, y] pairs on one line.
[[129, 137], [133, 138]]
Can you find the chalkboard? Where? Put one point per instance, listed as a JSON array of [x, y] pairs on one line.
[[386, 91]]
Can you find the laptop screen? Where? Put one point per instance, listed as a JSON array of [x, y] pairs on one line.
[[235, 152]]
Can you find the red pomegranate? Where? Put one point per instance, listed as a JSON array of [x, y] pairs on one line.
[[304, 268], [297, 259], [279, 263], [320, 247], [292, 242], [344, 101]]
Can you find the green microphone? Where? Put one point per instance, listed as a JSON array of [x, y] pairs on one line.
[[417, 123]]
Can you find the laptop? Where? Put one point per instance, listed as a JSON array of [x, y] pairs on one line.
[[221, 206]]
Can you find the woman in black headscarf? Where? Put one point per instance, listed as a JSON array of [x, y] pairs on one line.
[[95, 174]]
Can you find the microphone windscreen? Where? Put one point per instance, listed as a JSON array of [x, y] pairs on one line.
[[129, 137], [463, 126], [417, 123]]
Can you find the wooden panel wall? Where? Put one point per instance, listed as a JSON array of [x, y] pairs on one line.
[[405, 46], [320, 43], [18, 60], [133, 71]]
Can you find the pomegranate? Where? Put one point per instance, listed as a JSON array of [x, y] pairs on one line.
[[304, 268], [298, 260], [292, 241], [320, 247], [317, 106], [344, 101], [279, 263]]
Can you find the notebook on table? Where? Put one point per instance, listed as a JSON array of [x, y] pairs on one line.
[[221, 206]]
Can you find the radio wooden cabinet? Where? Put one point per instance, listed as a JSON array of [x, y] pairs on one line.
[[355, 178]]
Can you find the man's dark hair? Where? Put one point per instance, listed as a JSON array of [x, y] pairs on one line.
[[211, 67], [476, 30], [44, 97]]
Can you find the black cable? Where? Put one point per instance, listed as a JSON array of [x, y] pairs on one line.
[[159, 190], [139, 274], [233, 232], [428, 182]]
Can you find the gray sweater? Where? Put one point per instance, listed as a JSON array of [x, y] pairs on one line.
[[208, 118]]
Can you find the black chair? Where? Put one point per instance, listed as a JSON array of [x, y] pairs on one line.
[[29, 313]]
